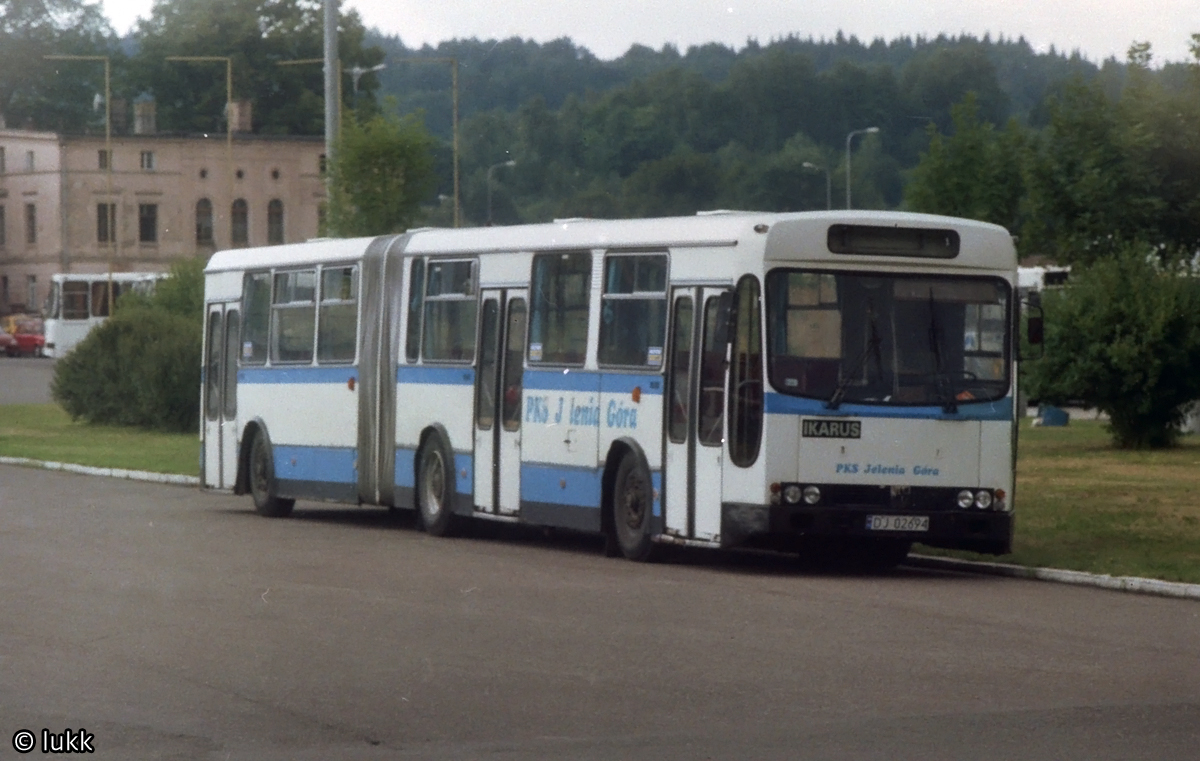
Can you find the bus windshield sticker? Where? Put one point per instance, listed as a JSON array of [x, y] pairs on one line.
[[831, 429], [535, 352], [654, 356], [247, 350]]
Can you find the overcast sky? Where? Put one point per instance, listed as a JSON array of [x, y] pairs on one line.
[[1097, 28]]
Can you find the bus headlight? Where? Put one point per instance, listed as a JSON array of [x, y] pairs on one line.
[[965, 499], [983, 499], [791, 494], [812, 495]]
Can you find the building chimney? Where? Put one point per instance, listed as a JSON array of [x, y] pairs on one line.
[[144, 115], [241, 116]]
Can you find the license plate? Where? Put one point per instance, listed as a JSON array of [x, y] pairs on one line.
[[897, 522]]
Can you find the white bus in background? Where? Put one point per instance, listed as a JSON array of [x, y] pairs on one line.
[[835, 381], [79, 302]]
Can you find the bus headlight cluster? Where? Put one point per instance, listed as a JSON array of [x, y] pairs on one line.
[[793, 494], [982, 499]]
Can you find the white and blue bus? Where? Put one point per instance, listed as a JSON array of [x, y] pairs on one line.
[[832, 379], [79, 301]]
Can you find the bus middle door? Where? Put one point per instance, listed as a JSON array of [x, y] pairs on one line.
[[498, 402]]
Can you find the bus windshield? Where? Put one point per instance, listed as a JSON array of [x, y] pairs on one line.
[[888, 339]]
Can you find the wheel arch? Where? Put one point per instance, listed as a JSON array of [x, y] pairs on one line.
[[616, 452], [241, 484]]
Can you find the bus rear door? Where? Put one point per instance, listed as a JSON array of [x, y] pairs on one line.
[[220, 395]]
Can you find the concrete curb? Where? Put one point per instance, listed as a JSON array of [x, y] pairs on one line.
[[1081, 578], [1119, 583], [87, 470]]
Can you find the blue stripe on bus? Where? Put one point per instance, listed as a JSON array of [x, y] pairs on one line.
[[330, 464], [782, 404], [561, 485], [591, 382], [263, 375], [565, 485], [406, 462], [440, 376]]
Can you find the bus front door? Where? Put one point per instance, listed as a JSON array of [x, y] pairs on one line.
[[498, 399], [220, 395], [695, 415]]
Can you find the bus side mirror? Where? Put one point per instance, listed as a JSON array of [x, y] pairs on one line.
[[1036, 329]]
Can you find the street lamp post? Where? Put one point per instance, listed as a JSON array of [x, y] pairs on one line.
[[828, 182], [491, 169], [454, 120], [867, 131], [112, 232], [228, 119]]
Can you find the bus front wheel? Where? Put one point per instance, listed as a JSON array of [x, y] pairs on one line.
[[262, 480], [632, 504], [435, 487]]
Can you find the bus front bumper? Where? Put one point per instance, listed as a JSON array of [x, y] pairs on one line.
[[779, 526]]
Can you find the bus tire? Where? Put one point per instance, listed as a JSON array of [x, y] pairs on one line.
[[435, 487], [262, 480], [632, 504]]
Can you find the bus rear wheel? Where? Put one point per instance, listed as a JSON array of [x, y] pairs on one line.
[[435, 487], [632, 504], [262, 481]]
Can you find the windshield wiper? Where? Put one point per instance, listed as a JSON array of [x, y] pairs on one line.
[[945, 390], [872, 347]]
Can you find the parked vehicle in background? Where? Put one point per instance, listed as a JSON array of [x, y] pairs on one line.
[[28, 338], [79, 302], [6, 341]]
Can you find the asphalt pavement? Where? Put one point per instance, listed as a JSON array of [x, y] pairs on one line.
[[25, 380], [174, 624]]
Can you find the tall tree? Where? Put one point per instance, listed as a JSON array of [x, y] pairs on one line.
[[52, 95], [975, 172], [381, 173], [258, 35]]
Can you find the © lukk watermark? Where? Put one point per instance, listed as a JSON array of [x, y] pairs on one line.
[[66, 741]]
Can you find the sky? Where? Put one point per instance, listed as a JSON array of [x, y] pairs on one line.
[[1098, 29]]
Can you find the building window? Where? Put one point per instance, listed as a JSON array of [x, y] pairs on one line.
[[105, 159], [106, 223], [147, 223], [31, 223], [31, 292], [275, 222], [204, 227], [29, 164], [148, 160], [240, 234], [3, 233]]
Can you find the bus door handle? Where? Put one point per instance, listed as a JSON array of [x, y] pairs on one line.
[[567, 440]]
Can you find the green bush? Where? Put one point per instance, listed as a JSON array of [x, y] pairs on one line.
[[1124, 338], [141, 367]]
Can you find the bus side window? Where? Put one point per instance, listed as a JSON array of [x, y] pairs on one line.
[[75, 301], [294, 317], [100, 297], [416, 297], [561, 284], [450, 308], [745, 376], [633, 311], [256, 307], [337, 334]]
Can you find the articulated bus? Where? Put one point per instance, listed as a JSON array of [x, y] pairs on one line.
[[831, 379], [79, 302]]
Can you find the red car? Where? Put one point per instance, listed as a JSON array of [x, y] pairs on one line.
[[7, 342], [28, 339]]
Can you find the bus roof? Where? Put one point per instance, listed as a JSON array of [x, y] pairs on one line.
[[709, 229]]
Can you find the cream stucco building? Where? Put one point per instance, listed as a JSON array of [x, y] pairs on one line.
[[68, 206]]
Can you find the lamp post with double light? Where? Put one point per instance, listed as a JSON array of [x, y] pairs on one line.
[[867, 131]]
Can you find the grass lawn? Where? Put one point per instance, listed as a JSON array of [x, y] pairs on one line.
[[45, 432], [1082, 505]]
